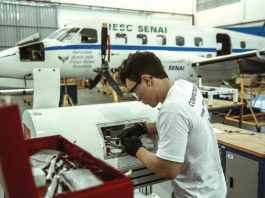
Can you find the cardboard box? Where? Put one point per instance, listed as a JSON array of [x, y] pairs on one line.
[[15, 170]]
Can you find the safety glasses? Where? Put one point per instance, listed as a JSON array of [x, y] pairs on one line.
[[134, 89]]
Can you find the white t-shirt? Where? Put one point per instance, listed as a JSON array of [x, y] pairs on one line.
[[186, 136]]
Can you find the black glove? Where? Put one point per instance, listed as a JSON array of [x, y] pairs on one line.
[[131, 145], [137, 130]]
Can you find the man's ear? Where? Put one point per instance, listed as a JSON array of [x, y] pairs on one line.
[[147, 78]]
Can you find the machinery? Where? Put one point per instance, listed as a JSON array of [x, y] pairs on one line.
[[96, 128]]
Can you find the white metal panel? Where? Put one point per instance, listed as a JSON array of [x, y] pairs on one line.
[[46, 88]]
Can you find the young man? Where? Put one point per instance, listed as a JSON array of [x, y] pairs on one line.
[[187, 149]]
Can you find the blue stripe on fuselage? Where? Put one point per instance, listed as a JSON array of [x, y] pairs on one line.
[[140, 47], [73, 47], [241, 50]]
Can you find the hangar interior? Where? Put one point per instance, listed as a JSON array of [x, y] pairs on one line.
[[59, 63]]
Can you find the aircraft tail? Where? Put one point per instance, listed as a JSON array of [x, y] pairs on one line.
[[254, 30]]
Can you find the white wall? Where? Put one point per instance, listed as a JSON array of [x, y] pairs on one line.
[[237, 13], [172, 6], [163, 11], [242, 12], [68, 14]]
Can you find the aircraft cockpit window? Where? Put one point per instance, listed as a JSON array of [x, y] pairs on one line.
[[121, 38], [33, 52], [242, 44], [58, 33], [180, 41], [198, 41], [89, 35], [142, 39], [161, 40], [68, 35]]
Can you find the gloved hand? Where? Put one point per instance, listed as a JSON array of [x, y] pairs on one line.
[[137, 130], [131, 144]]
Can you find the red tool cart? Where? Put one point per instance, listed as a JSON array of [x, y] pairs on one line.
[[15, 170]]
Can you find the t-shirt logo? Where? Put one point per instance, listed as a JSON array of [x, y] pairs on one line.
[[192, 100]]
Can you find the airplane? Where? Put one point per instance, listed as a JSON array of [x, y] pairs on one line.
[[92, 48]]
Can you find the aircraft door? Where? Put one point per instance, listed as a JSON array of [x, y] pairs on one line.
[[223, 44]]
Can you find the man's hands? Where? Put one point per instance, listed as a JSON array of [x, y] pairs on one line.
[[131, 144], [130, 138], [137, 130]]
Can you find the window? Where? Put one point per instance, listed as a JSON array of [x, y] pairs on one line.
[[58, 33], [33, 52], [142, 39], [68, 35], [121, 38], [180, 41], [161, 40], [242, 44], [198, 41], [89, 35], [208, 4]]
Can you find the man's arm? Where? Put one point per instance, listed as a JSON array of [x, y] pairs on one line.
[[151, 128], [163, 168]]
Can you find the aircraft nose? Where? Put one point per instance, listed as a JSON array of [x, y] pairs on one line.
[[5, 55], [8, 59], [8, 52]]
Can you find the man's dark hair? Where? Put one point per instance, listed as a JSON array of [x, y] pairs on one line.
[[140, 63]]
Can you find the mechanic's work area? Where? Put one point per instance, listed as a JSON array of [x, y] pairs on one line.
[[143, 99]]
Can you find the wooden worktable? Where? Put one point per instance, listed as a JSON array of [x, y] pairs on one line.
[[241, 139]]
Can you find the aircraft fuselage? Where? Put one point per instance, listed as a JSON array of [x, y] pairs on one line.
[[76, 49]]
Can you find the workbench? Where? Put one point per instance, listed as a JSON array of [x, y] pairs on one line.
[[242, 155], [225, 105]]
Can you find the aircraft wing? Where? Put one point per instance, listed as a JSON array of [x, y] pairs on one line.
[[16, 91], [230, 66]]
